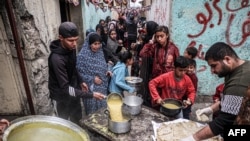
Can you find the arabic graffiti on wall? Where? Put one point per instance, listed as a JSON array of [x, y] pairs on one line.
[[202, 23]]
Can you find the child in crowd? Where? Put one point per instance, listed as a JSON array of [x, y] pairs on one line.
[[217, 96], [174, 84], [192, 75], [119, 72], [162, 51], [190, 53]]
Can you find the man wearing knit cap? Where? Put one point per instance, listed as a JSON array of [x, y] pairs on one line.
[[65, 85]]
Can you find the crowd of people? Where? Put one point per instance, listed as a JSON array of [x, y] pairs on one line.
[[101, 66]]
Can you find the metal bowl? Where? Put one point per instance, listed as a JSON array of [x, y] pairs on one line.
[[135, 82], [42, 128]]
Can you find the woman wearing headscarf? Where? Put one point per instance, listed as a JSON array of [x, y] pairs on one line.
[[93, 69], [146, 64]]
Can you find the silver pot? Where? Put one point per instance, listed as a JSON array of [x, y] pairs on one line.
[[42, 128], [119, 126], [132, 104], [171, 112], [135, 82]]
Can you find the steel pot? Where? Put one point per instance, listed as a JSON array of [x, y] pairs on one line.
[[119, 126], [132, 104], [171, 112], [134, 82], [42, 128], [114, 96]]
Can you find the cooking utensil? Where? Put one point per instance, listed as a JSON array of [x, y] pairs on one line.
[[171, 112], [134, 82], [132, 104], [42, 128], [119, 126]]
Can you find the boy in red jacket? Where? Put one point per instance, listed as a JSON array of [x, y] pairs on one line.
[[175, 84]]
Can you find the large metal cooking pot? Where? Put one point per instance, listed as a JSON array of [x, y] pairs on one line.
[[132, 104], [113, 96], [171, 111], [119, 126], [134, 82], [44, 128]]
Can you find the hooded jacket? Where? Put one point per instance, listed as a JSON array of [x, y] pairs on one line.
[[63, 76], [117, 82]]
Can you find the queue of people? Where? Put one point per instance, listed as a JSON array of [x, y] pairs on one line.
[[102, 64]]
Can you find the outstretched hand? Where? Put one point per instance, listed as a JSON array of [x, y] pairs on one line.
[[99, 96]]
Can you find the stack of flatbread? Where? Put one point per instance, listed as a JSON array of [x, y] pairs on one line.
[[178, 130]]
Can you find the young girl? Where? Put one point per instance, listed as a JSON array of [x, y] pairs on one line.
[[113, 44], [119, 72], [162, 51]]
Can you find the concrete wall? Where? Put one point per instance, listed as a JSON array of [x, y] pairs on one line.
[[39, 32], [91, 15], [202, 23], [37, 25], [159, 12]]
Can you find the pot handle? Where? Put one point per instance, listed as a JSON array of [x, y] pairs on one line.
[[139, 95], [106, 112]]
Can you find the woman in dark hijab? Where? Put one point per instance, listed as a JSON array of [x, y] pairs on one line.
[[146, 65]]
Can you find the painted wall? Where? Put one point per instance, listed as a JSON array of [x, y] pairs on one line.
[[204, 22], [91, 15], [159, 12]]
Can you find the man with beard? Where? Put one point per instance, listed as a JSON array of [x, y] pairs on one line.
[[225, 63]]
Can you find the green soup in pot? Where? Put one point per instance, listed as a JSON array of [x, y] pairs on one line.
[[40, 131]]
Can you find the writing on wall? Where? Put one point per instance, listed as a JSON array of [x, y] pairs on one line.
[[159, 12], [202, 23]]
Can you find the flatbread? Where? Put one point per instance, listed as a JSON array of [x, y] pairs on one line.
[[164, 132], [177, 131]]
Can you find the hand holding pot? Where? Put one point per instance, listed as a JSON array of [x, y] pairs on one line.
[[186, 103], [3, 124], [159, 101]]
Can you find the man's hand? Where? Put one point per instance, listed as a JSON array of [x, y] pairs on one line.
[[206, 111], [99, 96], [3, 124], [84, 87], [5, 121]]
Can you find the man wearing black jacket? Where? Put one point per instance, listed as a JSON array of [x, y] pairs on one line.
[[65, 84]]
